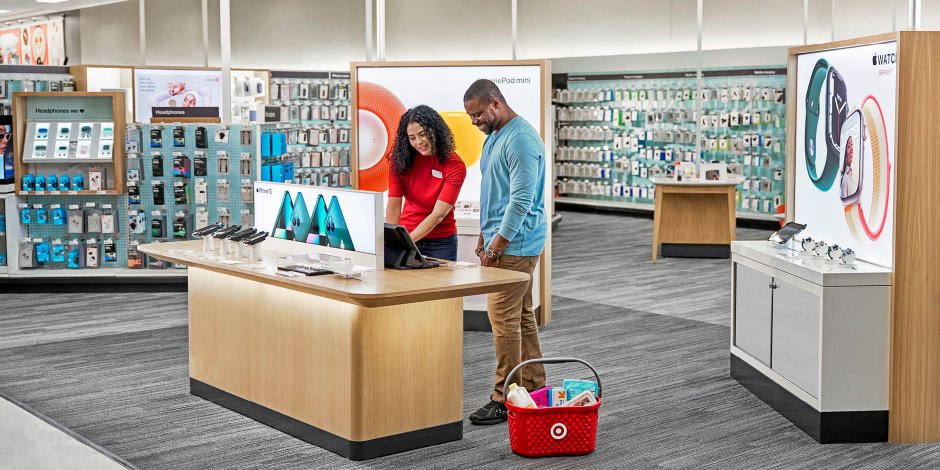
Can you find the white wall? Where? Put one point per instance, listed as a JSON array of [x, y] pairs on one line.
[[297, 34], [174, 32], [110, 34], [589, 35], [448, 29]]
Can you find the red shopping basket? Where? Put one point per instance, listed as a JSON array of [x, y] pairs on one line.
[[543, 432]]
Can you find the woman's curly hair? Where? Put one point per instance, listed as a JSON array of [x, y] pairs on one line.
[[439, 136]]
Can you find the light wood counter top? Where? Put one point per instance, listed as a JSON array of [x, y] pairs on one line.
[[373, 289]]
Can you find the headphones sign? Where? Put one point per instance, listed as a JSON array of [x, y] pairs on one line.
[[163, 112], [844, 189], [91, 108]]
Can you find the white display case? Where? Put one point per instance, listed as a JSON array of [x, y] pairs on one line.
[[811, 339]]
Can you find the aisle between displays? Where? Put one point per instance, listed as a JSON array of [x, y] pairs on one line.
[[616, 131]]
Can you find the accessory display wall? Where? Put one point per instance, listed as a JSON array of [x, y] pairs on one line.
[[615, 131], [232, 160], [14, 78], [315, 120]]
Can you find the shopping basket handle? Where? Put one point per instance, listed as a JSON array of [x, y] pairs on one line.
[[560, 360]]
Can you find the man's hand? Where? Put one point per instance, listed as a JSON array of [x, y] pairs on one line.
[[489, 262]]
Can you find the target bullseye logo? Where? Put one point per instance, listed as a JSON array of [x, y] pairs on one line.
[[559, 431]]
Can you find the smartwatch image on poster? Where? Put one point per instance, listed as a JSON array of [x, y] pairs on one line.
[[865, 125], [837, 110], [835, 94]]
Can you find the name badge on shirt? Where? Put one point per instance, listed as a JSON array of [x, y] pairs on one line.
[[437, 174]]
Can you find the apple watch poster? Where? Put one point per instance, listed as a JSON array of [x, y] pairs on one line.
[[845, 127]]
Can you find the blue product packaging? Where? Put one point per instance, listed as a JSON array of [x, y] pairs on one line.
[[52, 182], [78, 183], [277, 172], [64, 182], [266, 172], [287, 173], [41, 216], [574, 387], [266, 145], [3, 223], [25, 216], [42, 252], [28, 182], [58, 253], [40, 183], [75, 257], [58, 216]]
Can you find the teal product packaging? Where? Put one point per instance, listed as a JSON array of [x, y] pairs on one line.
[[574, 387]]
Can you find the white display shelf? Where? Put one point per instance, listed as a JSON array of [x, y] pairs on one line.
[[87, 273], [642, 206], [811, 269], [4, 270], [68, 160]]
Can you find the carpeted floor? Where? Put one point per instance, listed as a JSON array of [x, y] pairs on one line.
[[114, 370]]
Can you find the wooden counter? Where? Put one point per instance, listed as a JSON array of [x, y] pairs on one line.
[[695, 219], [363, 368]]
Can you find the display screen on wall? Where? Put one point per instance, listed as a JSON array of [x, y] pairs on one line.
[[33, 44], [167, 88], [335, 218], [385, 93], [844, 188], [6, 149]]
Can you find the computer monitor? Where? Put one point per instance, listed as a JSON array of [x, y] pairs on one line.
[[401, 251]]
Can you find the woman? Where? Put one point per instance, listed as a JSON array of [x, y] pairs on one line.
[[428, 174]]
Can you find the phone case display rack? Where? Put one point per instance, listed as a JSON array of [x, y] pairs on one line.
[[187, 176], [316, 126], [27, 78], [213, 182], [615, 131]]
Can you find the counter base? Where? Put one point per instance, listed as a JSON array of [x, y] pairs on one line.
[[353, 450], [696, 250], [476, 320], [825, 427]]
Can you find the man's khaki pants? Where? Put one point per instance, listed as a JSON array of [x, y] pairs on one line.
[[515, 332]]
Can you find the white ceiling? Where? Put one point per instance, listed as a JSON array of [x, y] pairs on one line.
[[24, 9]]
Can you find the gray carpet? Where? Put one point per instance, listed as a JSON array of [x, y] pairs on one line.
[[668, 404]]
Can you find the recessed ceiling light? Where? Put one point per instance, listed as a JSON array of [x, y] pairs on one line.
[[51, 1], [4, 11]]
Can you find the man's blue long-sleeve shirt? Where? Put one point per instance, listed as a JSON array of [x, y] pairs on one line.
[[512, 197]]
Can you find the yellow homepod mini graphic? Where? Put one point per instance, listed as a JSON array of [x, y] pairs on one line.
[[468, 139]]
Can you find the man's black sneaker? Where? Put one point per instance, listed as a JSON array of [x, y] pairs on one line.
[[493, 412]]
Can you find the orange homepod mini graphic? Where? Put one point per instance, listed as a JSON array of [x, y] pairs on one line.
[[379, 113]]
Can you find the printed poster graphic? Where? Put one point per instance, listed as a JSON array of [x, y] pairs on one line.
[[34, 44], [314, 215], [324, 226], [385, 93], [845, 150], [165, 88]]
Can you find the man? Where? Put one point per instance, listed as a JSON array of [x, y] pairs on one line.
[[512, 235]]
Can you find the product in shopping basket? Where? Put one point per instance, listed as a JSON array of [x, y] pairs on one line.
[[585, 398], [540, 397], [551, 431], [519, 396], [575, 387], [557, 396]]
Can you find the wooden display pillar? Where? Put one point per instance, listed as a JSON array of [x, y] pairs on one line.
[[915, 320], [914, 375]]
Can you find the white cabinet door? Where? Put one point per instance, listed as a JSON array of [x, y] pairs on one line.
[[796, 336], [752, 312]]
